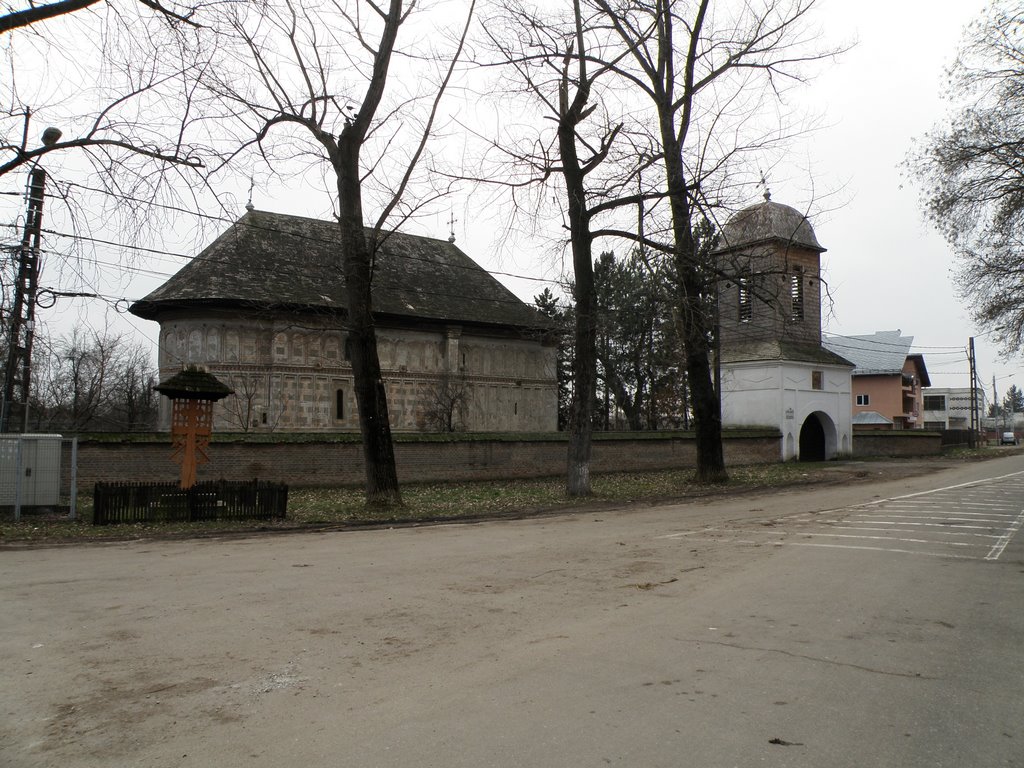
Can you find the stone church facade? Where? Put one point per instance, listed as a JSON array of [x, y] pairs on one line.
[[262, 308]]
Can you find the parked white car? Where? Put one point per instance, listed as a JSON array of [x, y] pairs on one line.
[[1009, 438]]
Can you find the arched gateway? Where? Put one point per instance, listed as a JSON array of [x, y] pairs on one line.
[[814, 434]]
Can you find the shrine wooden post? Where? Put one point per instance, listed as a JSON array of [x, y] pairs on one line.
[[192, 393]]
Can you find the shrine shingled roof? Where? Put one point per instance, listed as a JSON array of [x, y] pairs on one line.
[[270, 260]]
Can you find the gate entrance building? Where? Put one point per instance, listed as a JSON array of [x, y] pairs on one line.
[[775, 371]]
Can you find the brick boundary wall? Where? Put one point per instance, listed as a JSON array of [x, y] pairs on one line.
[[331, 463], [896, 443], [326, 463]]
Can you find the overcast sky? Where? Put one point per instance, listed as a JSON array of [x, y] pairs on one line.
[[886, 268]]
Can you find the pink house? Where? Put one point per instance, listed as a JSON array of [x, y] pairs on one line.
[[887, 379]]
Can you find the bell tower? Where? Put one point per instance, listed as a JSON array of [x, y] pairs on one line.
[[770, 295], [775, 371]]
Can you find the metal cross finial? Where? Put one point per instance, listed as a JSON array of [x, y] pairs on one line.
[[451, 227]]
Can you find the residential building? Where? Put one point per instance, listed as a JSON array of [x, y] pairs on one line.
[[263, 309], [888, 379], [948, 408]]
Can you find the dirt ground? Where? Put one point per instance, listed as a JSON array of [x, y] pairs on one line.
[[306, 649]]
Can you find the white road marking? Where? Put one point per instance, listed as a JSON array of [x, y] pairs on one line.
[[1000, 545], [888, 538], [879, 549], [936, 533], [941, 519]]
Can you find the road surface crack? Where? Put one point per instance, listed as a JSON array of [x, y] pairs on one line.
[[819, 659]]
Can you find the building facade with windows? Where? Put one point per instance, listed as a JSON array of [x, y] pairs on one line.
[[775, 371], [263, 309], [888, 379], [949, 408]]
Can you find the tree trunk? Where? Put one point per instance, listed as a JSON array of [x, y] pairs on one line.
[[584, 373], [696, 325], [371, 397], [584, 364]]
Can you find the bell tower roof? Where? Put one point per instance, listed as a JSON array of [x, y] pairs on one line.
[[768, 222]]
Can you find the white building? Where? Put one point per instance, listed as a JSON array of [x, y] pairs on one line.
[[948, 408], [775, 371]]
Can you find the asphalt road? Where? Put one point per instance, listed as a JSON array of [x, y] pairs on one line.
[[825, 627]]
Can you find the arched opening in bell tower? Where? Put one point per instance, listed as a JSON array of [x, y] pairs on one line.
[[817, 438]]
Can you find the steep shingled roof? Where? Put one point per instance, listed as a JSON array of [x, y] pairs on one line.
[[270, 260], [765, 223]]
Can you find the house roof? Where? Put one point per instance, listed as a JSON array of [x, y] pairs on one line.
[[870, 417], [883, 353], [270, 260], [765, 223]]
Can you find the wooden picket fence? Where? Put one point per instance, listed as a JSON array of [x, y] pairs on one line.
[[165, 502]]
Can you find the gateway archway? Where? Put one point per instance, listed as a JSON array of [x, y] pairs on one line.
[[812, 440], [817, 438]]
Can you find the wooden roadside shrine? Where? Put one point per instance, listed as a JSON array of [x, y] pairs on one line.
[[192, 392]]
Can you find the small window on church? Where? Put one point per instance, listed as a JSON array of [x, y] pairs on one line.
[[817, 380], [863, 400], [348, 348], [746, 309], [339, 405], [796, 294]]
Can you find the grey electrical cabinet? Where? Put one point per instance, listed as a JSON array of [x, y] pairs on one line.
[[35, 461]]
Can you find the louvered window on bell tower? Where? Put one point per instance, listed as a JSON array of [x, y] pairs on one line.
[[796, 293], [746, 309]]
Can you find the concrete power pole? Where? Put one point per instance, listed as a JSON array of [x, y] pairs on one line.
[[18, 370], [996, 410], [972, 440]]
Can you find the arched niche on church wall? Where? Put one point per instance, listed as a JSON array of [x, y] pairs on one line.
[[332, 349], [213, 344], [279, 348], [231, 346], [195, 346]]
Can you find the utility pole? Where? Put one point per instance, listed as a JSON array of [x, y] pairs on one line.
[[18, 368], [972, 440], [18, 371], [996, 410]]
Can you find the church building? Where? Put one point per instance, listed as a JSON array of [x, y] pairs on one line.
[[263, 309], [774, 370]]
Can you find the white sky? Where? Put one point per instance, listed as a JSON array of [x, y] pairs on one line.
[[886, 268]]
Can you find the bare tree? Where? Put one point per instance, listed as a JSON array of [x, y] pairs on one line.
[[971, 171], [133, 401], [694, 62], [240, 408], [95, 381], [554, 68], [125, 104], [35, 13], [445, 403], [321, 70], [256, 403], [654, 104]]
